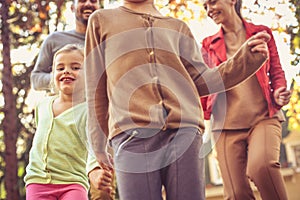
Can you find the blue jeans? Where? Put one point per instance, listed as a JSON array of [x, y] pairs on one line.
[[147, 159]]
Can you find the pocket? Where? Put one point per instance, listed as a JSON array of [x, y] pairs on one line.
[[122, 144]]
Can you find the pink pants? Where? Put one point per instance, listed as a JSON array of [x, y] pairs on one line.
[[251, 154], [56, 192]]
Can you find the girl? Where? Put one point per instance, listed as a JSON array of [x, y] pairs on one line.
[[59, 158]]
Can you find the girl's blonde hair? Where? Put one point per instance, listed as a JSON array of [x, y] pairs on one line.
[[65, 49]]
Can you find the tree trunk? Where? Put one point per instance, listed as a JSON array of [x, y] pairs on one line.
[[10, 119]]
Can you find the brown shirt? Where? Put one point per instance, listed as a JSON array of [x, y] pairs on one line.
[[146, 71], [244, 106]]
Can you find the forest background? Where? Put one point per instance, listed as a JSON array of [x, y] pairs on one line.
[[25, 24]]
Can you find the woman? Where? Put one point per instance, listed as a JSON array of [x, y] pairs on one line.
[[246, 119]]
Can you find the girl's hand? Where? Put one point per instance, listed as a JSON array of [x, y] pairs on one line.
[[282, 96], [102, 179]]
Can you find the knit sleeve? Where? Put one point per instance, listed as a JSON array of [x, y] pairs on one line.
[[96, 92], [224, 77]]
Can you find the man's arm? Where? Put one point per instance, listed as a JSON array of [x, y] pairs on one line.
[[41, 73]]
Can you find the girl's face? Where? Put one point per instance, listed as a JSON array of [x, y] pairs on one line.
[[220, 10], [66, 71]]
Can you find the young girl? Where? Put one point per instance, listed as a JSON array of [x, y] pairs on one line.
[[59, 159], [246, 119]]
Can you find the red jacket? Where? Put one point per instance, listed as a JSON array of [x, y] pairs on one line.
[[270, 76]]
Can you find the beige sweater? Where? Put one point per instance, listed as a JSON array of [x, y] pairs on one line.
[[144, 71]]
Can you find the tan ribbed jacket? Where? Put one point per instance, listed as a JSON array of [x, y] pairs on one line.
[[144, 71]]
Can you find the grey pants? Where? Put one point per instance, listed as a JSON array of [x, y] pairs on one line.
[[147, 159]]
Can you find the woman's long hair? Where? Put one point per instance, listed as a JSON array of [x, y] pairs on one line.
[[238, 8]]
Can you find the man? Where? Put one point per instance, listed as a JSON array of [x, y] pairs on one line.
[[41, 74]]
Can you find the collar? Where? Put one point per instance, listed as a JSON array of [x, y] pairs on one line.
[[217, 42]]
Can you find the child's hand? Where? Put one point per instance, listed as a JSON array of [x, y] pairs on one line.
[[258, 43], [282, 96], [105, 160], [102, 179]]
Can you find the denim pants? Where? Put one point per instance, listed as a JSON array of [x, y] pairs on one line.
[[147, 159]]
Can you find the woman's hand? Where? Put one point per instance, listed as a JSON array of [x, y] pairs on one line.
[[282, 96], [258, 43]]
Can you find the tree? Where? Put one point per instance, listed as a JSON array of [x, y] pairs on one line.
[[22, 25], [293, 108], [295, 33], [9, 122]]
